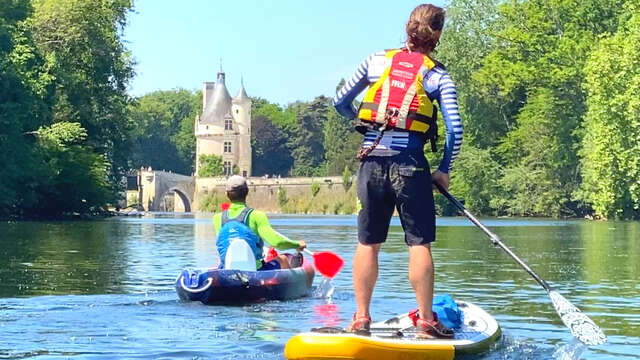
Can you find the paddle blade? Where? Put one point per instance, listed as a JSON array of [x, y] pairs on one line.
[[327, 263], [583, 328]]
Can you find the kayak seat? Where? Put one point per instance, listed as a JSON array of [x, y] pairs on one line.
[[240, 256]]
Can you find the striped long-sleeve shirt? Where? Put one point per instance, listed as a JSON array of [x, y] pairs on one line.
[[438, 85]]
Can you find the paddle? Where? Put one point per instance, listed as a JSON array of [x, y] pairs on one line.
[[327, 263], [583, 328]]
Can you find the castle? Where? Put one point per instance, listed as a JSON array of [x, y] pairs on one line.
[[224, 128]]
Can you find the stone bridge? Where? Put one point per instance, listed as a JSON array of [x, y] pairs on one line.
[[154, 185]]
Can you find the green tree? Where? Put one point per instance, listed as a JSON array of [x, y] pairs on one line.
[[210, 165], [81, 42], [76, 178], [24, 101], [541, 172], [610, 155], [341, 143], [164, 130], [270, 154], [467, 39], [307, 144], [475, 179]]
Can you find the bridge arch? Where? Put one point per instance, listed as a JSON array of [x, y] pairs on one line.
[[184, 197], [154, 185]]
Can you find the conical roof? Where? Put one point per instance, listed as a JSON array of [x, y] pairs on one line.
[[220, 104], [242, 94]]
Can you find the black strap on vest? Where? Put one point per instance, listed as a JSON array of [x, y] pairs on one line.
[[243, 217], [363, 126]]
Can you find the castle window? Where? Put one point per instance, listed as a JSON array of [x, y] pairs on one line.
[[227, 146], [237, 111], [228, 124], [227, 168], [244, 173]]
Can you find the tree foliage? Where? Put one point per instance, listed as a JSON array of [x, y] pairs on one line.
[[63, 78], [611, 145], [81, 42], [270, 154], [522, 71], [163, 130], [210, 165]]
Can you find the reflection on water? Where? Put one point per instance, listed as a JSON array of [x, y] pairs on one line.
[[124, 270]]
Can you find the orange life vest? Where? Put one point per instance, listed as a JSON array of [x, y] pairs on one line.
[[398, 98]]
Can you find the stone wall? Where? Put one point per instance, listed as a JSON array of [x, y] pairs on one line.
[[263, 192]]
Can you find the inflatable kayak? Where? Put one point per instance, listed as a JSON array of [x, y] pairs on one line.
[[394, 339], [212, 286]]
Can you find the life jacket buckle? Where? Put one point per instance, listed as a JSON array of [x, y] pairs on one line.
[[391, 113]]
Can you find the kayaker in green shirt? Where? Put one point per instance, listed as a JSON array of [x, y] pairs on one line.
[[250, 225]]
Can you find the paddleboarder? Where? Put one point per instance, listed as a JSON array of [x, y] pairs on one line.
[[397, 117], [252, 226]]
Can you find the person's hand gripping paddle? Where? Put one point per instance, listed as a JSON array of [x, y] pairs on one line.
[[327, 263]]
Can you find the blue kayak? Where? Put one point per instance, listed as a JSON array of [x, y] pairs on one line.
[[215, 286]]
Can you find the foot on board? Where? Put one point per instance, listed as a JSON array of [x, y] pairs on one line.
[[426, 329], [430, 329], [360, 325]]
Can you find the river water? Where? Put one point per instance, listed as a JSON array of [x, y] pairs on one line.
[[105, 289]]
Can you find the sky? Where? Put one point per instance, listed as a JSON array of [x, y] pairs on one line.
[[283, 50]]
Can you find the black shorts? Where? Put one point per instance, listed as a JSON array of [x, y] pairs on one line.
[[403, 182], [270, 265]]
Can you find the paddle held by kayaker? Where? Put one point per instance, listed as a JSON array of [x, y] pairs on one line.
[[397, 117], [252, 226]]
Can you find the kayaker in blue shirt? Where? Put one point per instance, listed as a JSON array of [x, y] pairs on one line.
[[253, 226], [397, 117]]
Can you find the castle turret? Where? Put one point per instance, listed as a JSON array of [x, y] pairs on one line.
[[242, 113], [241, 107], [224, 129]]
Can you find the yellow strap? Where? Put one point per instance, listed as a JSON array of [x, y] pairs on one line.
[[404, 108], [384, 100]]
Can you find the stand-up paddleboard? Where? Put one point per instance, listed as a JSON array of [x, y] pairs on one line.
[[395, 339]]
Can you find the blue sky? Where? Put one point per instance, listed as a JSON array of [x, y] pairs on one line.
[[285, 50]]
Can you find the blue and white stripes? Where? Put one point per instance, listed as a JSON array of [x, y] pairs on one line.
[[448, 99], [438, 86], [343, 101]]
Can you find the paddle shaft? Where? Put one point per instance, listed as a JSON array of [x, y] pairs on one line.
[[493, 237]]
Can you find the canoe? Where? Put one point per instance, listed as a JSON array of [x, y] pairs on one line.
[[215, 286], [394, 339]]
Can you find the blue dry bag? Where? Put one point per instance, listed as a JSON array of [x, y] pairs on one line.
[[448, 311]]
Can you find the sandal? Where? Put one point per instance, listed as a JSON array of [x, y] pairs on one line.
[[360, 325], [426, 329]]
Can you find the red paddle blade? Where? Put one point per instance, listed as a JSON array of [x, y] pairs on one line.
[[327, 263]]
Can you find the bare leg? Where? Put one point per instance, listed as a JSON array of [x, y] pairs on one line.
[[421, 275], [365, 274], [284, 261]]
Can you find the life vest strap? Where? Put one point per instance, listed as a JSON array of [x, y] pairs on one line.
[[242, 217], [411, 115], [404, 108]]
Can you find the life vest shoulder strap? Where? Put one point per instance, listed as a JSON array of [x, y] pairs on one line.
[[243, 217]]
